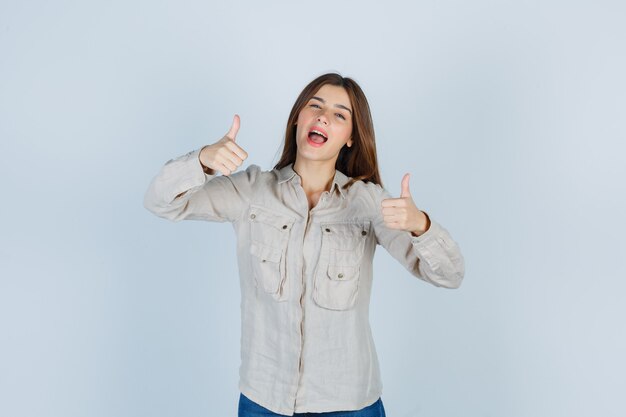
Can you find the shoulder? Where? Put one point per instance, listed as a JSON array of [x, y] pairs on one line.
[[252, 170], [249, 175], [375, 192], [259, 175], [368, 194]]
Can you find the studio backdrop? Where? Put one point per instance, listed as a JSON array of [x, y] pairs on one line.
[[508, 115]]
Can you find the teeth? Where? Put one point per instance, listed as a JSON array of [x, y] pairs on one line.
[[319, 133]]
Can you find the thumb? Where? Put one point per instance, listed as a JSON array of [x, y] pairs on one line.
[[405, 186], [234, 128]]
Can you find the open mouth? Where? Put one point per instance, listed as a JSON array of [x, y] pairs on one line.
[[318, 136]]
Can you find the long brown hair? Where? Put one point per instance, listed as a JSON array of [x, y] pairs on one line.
[[358, 161]]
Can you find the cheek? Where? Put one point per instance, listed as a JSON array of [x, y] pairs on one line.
[[305, 114], [346, 131], [301, 123]]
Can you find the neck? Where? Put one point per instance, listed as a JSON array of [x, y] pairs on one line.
[[317, 176]]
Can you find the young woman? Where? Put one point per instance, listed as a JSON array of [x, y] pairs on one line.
[[306, 232]]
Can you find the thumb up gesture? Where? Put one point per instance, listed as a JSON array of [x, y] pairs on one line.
[[224, 155], [402, 213]]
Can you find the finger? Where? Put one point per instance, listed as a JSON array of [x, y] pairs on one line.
[[390, 219], [221, 168], [388, 211], [232, 157], [392, 225], [405, 186], [226, 153], [236, 149], [227, 163], [392, 211], [393, 202], [395, 217], [234, 128]]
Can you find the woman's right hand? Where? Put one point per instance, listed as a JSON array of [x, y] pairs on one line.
[[224, 155]]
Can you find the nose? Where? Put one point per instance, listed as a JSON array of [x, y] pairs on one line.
[[321, 118]]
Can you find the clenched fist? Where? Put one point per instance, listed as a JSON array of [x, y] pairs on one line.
[[402, 213], [224, 155]]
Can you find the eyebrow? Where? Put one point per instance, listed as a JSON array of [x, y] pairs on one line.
[[341, 106]]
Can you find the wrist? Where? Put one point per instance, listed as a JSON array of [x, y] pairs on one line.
[[205, 168], [424, 229]]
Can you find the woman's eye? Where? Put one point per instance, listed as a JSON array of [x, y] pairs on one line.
[[340, 115], [315, 105]]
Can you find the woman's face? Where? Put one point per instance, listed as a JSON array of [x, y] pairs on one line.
[[328, 113]]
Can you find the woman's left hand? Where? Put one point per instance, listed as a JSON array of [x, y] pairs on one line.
[[402, 213]]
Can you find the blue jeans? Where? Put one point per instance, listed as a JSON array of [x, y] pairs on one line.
[[248, 408]]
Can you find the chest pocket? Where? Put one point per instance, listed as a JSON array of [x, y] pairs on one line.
[[338, 271], [269, 237]]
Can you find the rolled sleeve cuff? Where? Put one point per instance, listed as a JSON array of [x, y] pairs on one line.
[[433, 231], [442, 255], [189, 172]]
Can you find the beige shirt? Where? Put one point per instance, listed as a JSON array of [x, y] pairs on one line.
[[306, 277]]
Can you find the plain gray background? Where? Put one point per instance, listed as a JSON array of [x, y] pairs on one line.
[[509, 115]]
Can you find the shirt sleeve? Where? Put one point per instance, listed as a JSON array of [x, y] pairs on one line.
[[204, 197], [433, 256]]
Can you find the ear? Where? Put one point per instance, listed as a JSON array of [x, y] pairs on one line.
[[349, 142]]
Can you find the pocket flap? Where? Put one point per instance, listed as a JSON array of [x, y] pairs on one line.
[[272, 218], [342, 273], [264, 252]]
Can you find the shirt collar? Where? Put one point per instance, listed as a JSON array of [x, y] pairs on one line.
[[287, 173]]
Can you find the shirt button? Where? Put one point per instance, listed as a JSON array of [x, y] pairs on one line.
[[340, 275], [327, 230], [363, 232], [252, 216], [284, 226]]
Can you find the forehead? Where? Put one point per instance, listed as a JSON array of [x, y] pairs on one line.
[[334, 94]]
